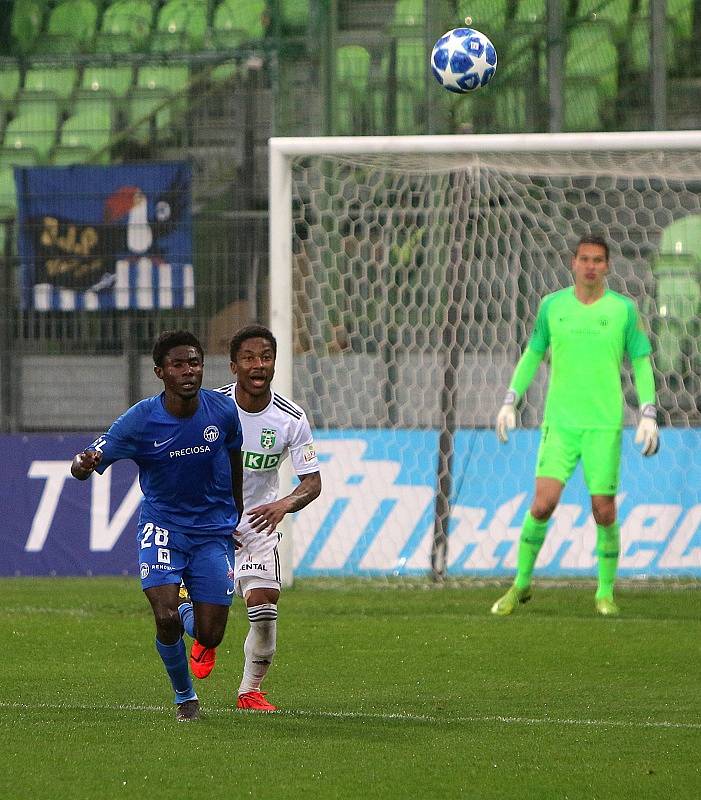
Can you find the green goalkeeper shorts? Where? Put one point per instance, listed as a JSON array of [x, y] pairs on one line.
[[600, 451]]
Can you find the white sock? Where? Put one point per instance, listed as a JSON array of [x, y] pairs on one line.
[[259, 647]]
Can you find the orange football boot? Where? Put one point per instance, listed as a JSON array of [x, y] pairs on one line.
[[254, 701], [202, 659]]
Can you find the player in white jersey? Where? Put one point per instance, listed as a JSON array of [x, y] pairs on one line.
[[273, 427]]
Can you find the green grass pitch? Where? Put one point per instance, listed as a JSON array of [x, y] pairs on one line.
[[386, 693]]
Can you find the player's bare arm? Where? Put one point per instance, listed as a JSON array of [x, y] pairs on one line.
[[266, 518], [84, 464]]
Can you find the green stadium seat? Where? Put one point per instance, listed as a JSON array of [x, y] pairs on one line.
[[8, 197], [592, 54], [34, 125], [126, 26], [117, 80], [510, 109], [678, 296], [58, 80], [149, 113], [180, 27], [531, 11], [71, 27], [582, 110], [680, 14], [10, 158], [683, 237], [87, 130], [157, 87], [9, 82], [351, 84], [486, 14], [172, 78], [294, 14], [410, 69], [615, 12], [65, 155], [226, 71], [236, 22], [408, 14], [26, 22], [524, 59], [639, 44]]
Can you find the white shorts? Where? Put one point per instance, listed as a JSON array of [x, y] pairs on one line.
[[257, 567]]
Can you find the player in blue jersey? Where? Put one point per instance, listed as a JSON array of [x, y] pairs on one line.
[[186, 442]]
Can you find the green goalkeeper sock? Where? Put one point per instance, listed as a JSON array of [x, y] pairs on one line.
[[607, 548], [532, 538]]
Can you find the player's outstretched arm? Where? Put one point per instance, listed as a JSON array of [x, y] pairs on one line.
[[84, 464], [647, 433], [523, 375], [267, 517]]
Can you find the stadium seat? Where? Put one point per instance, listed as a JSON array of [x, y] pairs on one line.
[[409, 68], [9, 82], [117, 80], [531, 11], [86, 130], [180, 27], [65, 155], [582, 106], [639, 44], [678, 296], [408, 14], [683, 237], [615, 12], [160, 91], [592, 54], [70, 29], [489, 14], [351, 82], [10, 158], [173, 79], [25, 25], [58, 80], [34, 125], [236, 22], [126, 26], [680, 14], [294, 14]]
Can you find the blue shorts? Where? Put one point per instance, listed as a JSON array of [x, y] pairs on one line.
[[205, 563]]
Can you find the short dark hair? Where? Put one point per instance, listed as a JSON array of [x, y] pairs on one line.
[[170, 339], [593, 239], [250, 332]]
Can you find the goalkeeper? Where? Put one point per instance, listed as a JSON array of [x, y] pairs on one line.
[[588, 328]]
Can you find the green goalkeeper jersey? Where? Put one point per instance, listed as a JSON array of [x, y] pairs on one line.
[[587, 345]]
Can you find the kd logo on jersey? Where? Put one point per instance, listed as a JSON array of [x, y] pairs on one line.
[[267, 438], [260, 460]]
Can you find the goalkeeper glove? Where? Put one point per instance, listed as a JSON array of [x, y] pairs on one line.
[[506, 418], [648, 434]]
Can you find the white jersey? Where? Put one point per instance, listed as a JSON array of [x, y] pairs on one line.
[[281, 428]]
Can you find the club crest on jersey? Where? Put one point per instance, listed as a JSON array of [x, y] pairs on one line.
[[267, 438], [211, 433]]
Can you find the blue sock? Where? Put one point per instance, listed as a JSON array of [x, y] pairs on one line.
[[175, 659], [187, 617]]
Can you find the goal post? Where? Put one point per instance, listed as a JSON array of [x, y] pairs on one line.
[[404, 277]]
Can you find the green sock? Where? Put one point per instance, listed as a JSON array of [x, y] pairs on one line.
[[532, 538], [607, 547]]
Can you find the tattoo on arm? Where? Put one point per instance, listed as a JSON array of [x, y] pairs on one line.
[[309, 489]]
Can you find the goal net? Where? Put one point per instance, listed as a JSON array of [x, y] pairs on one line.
[[405, 276]]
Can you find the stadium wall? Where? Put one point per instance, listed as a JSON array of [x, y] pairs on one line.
[[375, 515]]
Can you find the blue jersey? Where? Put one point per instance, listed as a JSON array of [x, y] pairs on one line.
[[184, 468]]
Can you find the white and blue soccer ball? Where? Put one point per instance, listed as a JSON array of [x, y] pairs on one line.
[[463, 60]]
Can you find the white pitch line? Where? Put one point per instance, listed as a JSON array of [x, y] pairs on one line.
[[362, 715]]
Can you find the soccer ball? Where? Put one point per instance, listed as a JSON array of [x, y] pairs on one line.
[[463, 59]]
